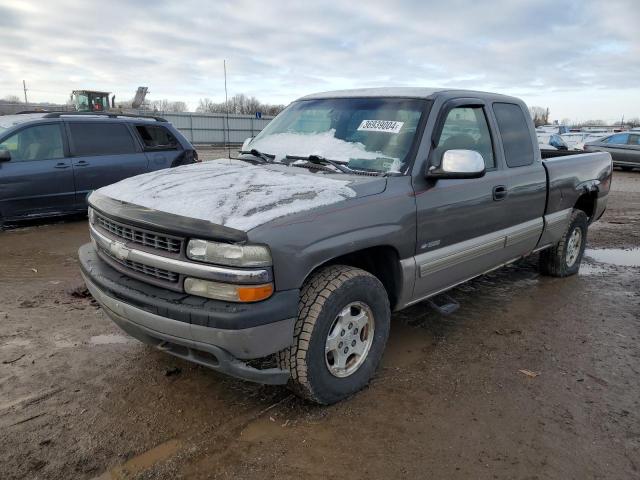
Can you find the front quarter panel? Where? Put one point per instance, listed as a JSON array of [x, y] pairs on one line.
[[300, 243]]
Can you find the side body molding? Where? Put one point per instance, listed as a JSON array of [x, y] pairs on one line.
[[449, 266]]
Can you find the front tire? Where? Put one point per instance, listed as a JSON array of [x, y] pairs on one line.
[[340, 335], [563, 259]]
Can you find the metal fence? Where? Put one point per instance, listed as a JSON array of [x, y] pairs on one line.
[[199, 128], [202, 128], [12, 108]]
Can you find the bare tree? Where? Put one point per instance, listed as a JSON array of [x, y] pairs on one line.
[[11, 99], [205, 105], [178, 107], [239, 104], [592, 123], [540, 115], [167, 106]]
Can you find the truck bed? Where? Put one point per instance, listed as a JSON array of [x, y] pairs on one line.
[[572, 175], [546, 153]]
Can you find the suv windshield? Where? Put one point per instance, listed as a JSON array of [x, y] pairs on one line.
[[365, 133]]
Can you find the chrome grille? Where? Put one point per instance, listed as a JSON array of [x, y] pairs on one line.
[[148, 270], [136, 235]]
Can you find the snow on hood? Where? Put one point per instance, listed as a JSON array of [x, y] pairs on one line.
[[231, 193], [324, 144]]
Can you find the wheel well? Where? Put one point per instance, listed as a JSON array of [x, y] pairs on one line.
[[382, 262], [587, 203]]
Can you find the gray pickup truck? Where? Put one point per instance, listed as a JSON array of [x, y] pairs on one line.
[[284, 264]]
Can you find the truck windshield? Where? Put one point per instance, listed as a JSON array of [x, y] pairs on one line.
[[373, 134]]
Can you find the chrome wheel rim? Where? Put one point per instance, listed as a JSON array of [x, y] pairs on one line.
[[573, 246], [349, 340]]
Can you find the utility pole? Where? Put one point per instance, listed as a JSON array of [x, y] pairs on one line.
[[226, 108], [24, 86]]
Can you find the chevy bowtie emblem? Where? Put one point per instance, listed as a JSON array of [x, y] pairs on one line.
[[119, 250]]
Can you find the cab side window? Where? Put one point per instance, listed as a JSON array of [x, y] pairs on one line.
[[40, 142], [634, 139], [515, 134], [466, 128]]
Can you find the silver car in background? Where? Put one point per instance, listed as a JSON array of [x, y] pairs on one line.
[[624, 149]]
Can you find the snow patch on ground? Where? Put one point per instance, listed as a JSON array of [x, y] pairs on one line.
[[229, 192]]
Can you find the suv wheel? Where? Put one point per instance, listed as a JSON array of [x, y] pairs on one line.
[[340, 335], [564, 258]]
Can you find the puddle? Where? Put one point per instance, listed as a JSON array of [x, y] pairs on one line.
[[615, 256], [143, 461], [589, 269], [262, 429], [109, 339]]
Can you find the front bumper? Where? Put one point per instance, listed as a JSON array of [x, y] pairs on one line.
[[215, 334]]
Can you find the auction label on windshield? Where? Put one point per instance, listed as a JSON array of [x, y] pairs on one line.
[[380, 126]]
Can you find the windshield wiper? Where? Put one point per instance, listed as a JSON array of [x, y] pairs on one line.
[[265, 157], [322, 161]]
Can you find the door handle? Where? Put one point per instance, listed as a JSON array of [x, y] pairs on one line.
[[500, 192], [81, 163], [61, 165]]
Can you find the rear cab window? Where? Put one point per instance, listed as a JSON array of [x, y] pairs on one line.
[[101, 138], [515, 134], [157, 138]]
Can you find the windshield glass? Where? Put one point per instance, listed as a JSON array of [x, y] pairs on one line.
[[365, 133]]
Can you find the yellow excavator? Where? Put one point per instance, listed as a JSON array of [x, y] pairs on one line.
[[95, 101]]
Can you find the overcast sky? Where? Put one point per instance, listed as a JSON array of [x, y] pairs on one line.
[[579, 58]]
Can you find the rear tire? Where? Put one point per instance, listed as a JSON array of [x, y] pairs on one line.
[[563, 259], [340, 335]]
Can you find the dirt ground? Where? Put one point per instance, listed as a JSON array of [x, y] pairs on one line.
[[80, 399]]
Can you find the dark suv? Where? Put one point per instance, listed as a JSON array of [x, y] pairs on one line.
[[50, 162]]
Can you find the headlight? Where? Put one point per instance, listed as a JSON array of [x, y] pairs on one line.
[[227, 291], [228, 254]]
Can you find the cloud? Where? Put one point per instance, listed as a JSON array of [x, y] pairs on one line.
[[546, 51]]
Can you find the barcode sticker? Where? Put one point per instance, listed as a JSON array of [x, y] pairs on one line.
[[388, 126]]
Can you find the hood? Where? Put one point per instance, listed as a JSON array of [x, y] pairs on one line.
[[238, 195]]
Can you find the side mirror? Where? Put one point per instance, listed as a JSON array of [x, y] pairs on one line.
[[458, 164], [5, 155], [245, 144]]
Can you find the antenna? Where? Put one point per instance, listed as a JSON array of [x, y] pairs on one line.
[[24, 87], [226, 109]]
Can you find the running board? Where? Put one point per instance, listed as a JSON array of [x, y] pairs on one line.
[[443, 304]]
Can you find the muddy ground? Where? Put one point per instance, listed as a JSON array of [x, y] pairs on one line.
[[79, 399]]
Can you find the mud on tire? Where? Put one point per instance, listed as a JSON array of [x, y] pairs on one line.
[[558, 261], [323, 297]]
